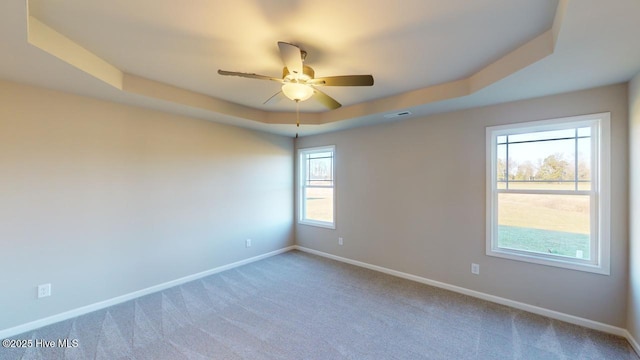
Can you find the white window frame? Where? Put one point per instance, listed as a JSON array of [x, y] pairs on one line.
[[600, 193], [302, 186]]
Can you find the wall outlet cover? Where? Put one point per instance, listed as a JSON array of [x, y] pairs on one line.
[[44, 290], [475, 269]]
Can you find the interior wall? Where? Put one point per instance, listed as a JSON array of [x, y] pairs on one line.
[[411, 197], [633, 319], [101, 199]]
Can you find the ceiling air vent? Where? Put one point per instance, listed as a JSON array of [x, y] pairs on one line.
[[398, 114]]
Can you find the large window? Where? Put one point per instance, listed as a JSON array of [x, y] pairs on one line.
[[316, 183], [548, 192]]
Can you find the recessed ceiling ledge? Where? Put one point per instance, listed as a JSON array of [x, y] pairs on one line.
[[42, 36], [58, 45], [158, 90]]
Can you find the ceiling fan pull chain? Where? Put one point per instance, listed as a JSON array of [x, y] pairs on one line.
[[297, 117]]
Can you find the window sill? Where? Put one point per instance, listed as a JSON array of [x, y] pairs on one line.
[[320, 224], [540, 260]]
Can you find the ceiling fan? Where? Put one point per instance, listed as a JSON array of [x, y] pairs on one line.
[[298, 81]]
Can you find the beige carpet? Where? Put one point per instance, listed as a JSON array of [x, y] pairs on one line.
[[300, 306]]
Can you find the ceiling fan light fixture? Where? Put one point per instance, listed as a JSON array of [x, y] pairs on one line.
[[297, 92], [298, 81]]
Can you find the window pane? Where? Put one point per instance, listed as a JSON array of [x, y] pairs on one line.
[[547, 160], [584, 159], [317, 155], [543, 135], [501, 165], [546, 224], [542, 165], [585, 131], [319, 204], [320, 170]]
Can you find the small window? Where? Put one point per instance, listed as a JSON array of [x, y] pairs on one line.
[[317, 194], [548, 192]]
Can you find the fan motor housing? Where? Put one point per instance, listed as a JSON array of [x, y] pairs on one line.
[[307, 72]]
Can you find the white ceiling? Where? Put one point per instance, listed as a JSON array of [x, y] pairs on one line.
[[410, 47]]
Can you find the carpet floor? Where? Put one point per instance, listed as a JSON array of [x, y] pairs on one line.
[[300, 306]]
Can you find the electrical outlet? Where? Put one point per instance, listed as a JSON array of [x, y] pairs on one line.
[[44, 290], [248, 243], [340, 241], [475, 269]]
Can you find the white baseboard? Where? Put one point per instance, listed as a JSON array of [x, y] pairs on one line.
[[480, 295], [6, 333], [633, 342]]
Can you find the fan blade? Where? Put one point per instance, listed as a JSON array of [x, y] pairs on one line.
[[325, 99], [315, 82], [275, 98], [247, 75], [347, 80], [291, 57]]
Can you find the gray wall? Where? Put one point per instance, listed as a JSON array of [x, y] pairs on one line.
[[102, 199], [411, 197], [633, 319]]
